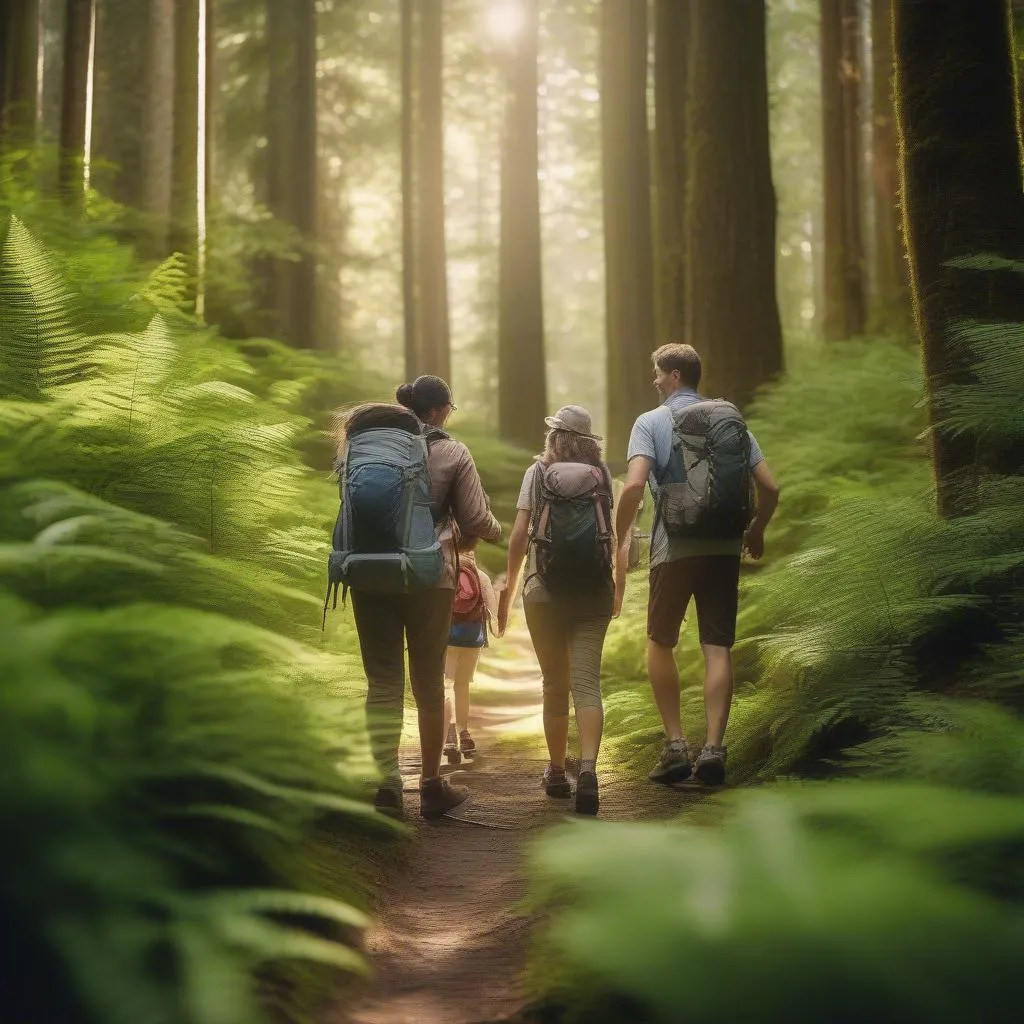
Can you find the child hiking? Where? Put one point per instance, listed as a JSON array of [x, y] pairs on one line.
[[474, 613], [407, 489], [563, 522]]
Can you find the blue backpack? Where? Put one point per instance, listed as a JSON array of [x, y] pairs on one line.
[[384, 540]]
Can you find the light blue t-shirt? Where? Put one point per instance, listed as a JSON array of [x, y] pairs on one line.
[[652, 436]]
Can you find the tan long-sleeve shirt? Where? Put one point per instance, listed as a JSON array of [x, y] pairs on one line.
[[457, 494]]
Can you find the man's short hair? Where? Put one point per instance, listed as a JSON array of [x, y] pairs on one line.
[[679, 357]]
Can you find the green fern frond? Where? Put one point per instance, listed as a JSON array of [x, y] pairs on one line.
[[41, 347]]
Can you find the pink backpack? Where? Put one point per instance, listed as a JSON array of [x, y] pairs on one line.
[[469, 598]]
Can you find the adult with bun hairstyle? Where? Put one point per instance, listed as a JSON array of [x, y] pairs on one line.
[[388, 623]]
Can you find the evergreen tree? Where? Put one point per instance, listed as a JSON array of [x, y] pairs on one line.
[[79, 29], [960, 177], [844, 287], [19, 49], [431, 264], [158, 127], [411, 342], [522, 387], [733, 312], [671, 42], [629, 281], [891, 301]]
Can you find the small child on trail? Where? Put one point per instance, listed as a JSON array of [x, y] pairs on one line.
[[474, 612]]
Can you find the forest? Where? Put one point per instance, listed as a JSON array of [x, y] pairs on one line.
[[222, 222]]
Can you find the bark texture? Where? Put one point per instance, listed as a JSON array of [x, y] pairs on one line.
[[522, 391], [733, 313], [960, 182], [628, 250], [844, 285], [671, 99], [431, 265]]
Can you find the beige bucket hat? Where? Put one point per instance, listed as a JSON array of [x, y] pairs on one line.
[[573, 418]]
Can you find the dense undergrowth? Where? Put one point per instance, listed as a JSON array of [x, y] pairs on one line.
[[879, 643], [182, 757]]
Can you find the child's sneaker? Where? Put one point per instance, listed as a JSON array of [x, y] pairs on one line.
[[451, 747]]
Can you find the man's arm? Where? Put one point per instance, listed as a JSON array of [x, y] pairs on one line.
[[767, 501], [637, 474]]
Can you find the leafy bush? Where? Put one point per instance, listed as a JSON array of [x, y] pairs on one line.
[[839, 902], [172, 746]]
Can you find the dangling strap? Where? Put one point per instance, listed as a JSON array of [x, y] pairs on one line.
[[332, 586]]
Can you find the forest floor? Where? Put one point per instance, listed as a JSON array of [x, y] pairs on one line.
[[450, 939]]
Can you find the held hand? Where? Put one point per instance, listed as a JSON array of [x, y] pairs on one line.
[[753, 542]]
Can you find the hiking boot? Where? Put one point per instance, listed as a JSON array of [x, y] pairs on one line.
[[466, 744], [439, 796], [673, 764], [451, 747], [710, 766], [586, 793], [555, 783], [388, 800]]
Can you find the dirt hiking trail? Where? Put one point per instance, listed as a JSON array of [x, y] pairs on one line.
[[448, 945]]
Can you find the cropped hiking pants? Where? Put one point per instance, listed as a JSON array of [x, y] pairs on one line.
[[569, 641], [385, 623]]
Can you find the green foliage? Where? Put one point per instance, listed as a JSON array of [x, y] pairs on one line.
[[846, 902], [171, 749], [867, 631]]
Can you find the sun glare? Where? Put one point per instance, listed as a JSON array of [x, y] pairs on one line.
[[505, 22]]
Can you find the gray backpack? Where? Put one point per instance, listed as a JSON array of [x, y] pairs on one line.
[[708, 489], [385, 539]]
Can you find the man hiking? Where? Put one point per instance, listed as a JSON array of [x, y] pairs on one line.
[[408, 489], [701, 463]]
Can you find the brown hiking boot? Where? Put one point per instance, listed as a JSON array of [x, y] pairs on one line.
[[439, 796]]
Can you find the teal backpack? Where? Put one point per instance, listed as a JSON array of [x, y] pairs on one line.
[[385, 539]]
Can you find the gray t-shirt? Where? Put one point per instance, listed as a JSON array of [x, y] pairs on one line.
[[533, 586], [652, 437]]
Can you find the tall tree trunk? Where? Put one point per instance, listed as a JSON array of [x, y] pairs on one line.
[[19, 57], [845, 307], [122, 63], [184, 190], [671, 42], [291, 161], [522, 379], [1017, 43], [961, 188], [412, 361], [158, 128], [891, 298], [79, 29], [733, 312], [628, 251], [434, 348]]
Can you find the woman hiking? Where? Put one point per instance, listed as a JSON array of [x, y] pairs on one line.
[[564, 524], [390, 616]]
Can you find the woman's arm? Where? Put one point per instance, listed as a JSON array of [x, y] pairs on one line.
[[518, 545]]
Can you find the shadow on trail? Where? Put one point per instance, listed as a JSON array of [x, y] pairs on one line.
[[449, 945]]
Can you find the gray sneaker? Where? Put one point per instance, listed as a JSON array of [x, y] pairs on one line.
[[710, 766], [673, 764]]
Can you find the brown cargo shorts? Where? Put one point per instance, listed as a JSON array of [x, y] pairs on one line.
[[712, 581]]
